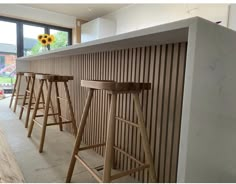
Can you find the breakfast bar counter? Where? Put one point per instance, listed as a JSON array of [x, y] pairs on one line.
[[190, 110]]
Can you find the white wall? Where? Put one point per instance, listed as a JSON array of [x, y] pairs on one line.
[[37, 15], [140, 16], [232, 17]]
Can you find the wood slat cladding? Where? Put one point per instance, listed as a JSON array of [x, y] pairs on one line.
[[161, 65]]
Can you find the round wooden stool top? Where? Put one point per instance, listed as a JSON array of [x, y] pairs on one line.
[[115, 86]]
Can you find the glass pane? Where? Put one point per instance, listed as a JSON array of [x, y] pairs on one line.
[[7, 57], [61, 39], [31, 43]]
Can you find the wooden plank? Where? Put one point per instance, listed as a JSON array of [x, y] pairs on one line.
[[168, 61], [9, 169], [170, 125], [132, 118], [119, 113]]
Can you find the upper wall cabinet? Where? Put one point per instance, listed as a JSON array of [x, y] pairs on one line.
[[97, 28]]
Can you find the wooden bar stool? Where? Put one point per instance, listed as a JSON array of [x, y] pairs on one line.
[[30, 95], [113, 89], [43, 79], [16, 91]]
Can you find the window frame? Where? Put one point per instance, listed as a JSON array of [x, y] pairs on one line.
[[19, 31]]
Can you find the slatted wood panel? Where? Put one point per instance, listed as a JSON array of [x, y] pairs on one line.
[[163, 66]]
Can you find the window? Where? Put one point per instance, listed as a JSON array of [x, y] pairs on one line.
[[7, 54], [30, 35], [27, 36], [61, 39], [20, 38]]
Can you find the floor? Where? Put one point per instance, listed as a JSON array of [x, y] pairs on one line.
[[52, 164], [9, 169]]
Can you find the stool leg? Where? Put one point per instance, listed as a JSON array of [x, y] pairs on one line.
[[79, 135], [24, 99], [144, 137], [14, 89], [108, 159], [35, 108], [33, 96], [29, 103], [70, 108], [113, 166], [17, 94], [43, 99], [58, 107], [54, 117], [45, 118]]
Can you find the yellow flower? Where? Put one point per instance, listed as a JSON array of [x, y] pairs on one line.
[[44, 41], [50, 39], [40, 37], [45, 35]]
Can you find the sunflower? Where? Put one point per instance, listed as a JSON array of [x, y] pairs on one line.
[[50, 39], [46, 39], [44, 42], [40, 37], [45, 35]]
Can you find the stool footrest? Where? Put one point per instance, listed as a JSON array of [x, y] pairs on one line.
[[40, 108], [25, 107], [125, 173], [21, 97], [41, 115], [39, 103], [65, 122], [128, 155], [62, 98], [91, 146], [32, 103], [40, 125], [128, 122], [18, 95], [64, 118], [91, 170], [95, 173]]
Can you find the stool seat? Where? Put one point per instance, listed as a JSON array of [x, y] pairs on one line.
[[53, 78], [20, 73], [29, 74], [115, 86]]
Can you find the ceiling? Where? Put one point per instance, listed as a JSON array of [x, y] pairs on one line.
[[82, 11]]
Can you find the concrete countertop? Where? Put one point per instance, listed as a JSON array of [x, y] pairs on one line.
[[166, 33]]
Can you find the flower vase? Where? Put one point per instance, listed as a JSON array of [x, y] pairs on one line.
[[44, 48]]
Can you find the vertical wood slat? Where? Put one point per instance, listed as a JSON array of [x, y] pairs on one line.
[[164, 67]]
